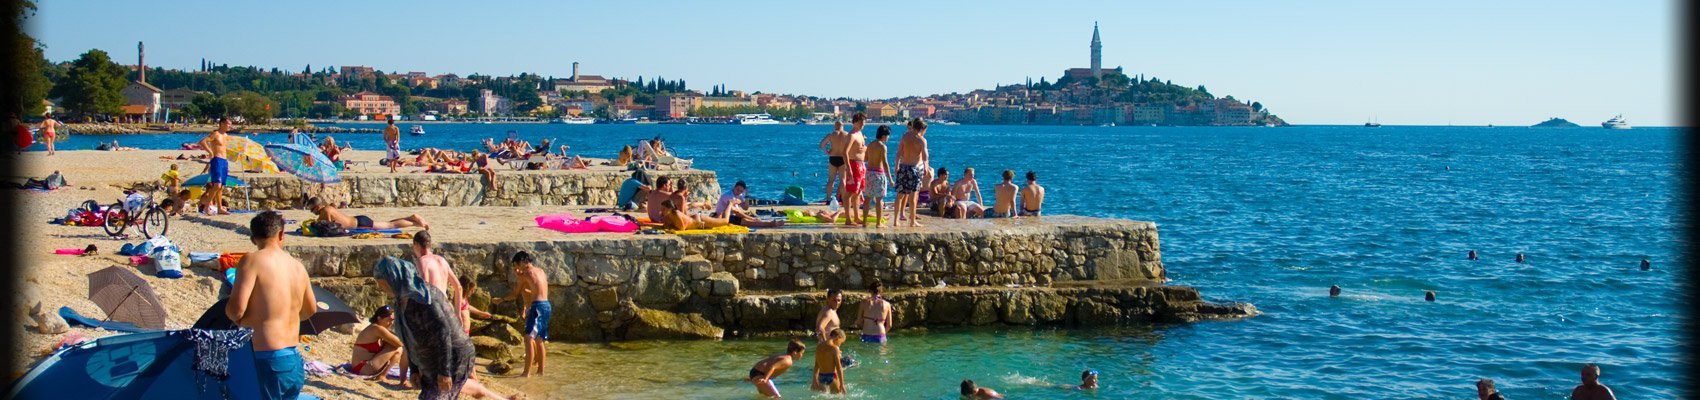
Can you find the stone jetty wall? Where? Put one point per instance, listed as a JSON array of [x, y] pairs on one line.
[[633, 287], [513, 188]]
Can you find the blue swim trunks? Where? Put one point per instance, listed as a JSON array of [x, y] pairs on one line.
[[537, 319], [280, 373], [873, 338], [220, 170], [826, 378]]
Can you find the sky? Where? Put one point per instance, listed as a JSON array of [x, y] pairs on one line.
[[1512, 62]]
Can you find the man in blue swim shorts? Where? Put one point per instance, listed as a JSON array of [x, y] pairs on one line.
[[218, 168], [533, 287], [271, 296]]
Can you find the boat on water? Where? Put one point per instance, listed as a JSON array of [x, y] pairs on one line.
[[753, 119], [627, 120], [1112, 124], [417, 131], [1616, 122], [577, 120]]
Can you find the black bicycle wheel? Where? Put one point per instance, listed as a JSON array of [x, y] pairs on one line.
[[116, 221], [155, 222]]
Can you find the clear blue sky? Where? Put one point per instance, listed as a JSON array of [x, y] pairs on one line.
[[1312, 62]]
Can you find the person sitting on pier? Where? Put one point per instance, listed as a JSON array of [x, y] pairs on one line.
[[333, 152], [731, 208], [1003, 206], [940, 194], [625, 156], [963, 190], [1032, 196], [327, 213], [762, 374], [632, 191]]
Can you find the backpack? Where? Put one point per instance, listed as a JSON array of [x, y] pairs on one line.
[[327, 229]]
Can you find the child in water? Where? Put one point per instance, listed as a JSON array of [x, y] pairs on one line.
[[1088, 381], [768, 368], [829, 365], [971, 391]]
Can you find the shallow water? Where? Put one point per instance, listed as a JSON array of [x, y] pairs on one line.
[[1272, 216]]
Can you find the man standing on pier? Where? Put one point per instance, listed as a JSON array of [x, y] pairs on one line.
[[833, 145], [392, 144], [218, 168], [911, 156], [855, 172]]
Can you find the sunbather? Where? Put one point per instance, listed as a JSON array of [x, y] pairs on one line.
[[327, 213], [677, 219]]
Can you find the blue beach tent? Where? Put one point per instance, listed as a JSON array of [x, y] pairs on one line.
[[151, 365]]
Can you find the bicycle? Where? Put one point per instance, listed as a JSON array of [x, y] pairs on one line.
[[152, 219]]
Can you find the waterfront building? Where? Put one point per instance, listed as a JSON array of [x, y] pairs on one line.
[[1096, 70], [724, 102], [489, 103], [583, 83], [1148, 114], [922, 111], [141, 100], [676, 106], [880, 110], [450, 106], [369, 103]]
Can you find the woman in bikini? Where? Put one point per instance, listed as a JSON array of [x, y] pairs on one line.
[[876, 315], [376, 348]]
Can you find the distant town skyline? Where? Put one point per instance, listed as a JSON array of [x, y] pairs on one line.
[[1330, 62]]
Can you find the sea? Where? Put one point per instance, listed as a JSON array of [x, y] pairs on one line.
[[1270, 216]]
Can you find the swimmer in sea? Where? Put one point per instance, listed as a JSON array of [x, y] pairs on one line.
[[1519, 257], [1334, 291], [1428, 295], [1088, 381], [1645, 266], [972, 391], [1472, 255], [768, 368]]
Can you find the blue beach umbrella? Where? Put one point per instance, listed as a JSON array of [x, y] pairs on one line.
[[203, 179], [304, 162]]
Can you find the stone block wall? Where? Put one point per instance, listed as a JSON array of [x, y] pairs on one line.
[[513, 188]]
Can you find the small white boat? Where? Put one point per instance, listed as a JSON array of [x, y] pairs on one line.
[[1616, 123], [417, 131], [753, 119], [578, 120]]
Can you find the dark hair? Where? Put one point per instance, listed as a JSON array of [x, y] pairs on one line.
[[1008, 174], [833, 292], [1086, 373], [390, 118], [661, 181], [943, 171], [223, 120], [467, 284], [168, 203], [875, 286], [1485, 382], [883, 132], [740, 184], [90, 250], [1032, 176], [794, 347], [313, 202], [265, 225], [858, 117], [383, 312], [968, 387], [639, 175], [184, 192], [522, 257], [917, 124], [1592, 366], [422, 239]]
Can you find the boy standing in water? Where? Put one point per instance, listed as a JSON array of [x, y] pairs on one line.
[[533, 286], [772, 367], [829, 368], [271, 296]]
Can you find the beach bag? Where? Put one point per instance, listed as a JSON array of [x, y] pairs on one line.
[[169, 262], [327, 229]]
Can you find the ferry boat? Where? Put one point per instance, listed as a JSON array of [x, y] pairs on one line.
[[577, 120], [417, 131], [626, 120], [753, 119], [1615, 123]]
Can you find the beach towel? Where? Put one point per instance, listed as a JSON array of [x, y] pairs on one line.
[[725, 229], [226, 261], [201, 256], [797, 217], [75, 319]]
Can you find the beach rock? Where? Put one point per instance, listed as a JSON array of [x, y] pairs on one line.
[[656, 324], [500, 367], [47, 322], [503, 332], [604, 299], [493, 349], [724, 284]]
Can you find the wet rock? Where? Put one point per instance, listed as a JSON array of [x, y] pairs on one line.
[[656, 324], [492, 349]]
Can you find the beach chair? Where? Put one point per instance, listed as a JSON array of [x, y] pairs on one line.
[[793, 196]]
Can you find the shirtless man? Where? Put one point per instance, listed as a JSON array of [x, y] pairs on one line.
[[1591, 389], [879, 175], [939, 194], [731, 207], [827, 319], [966, 208], [218, 169], [1032, 196], [876, 315], [975, 392], [327, 213], [533, 286], [833, 146], [663, 191], [49, 131], [271, 296], [911, 153], [762, 374], [434, 269], [392, 144], [678, 219], [856, 175], [1003, 205]]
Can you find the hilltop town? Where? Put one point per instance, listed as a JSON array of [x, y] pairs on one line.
[[94, 88]]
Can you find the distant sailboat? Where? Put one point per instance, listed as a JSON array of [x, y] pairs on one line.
[[1372, 124]]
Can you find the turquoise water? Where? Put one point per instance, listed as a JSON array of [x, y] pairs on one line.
[[1271, 216]]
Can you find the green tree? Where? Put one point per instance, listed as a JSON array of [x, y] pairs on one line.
[[253, 107], [1256, 106], [204, 106], [23, 81], [93, 86]]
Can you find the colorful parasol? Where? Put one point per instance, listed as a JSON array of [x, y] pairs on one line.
[[304, 162], [249, 154]]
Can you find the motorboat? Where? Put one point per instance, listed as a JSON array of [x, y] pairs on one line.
[[753, 119], [1616, 122], [577, 120], [417, 131]]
